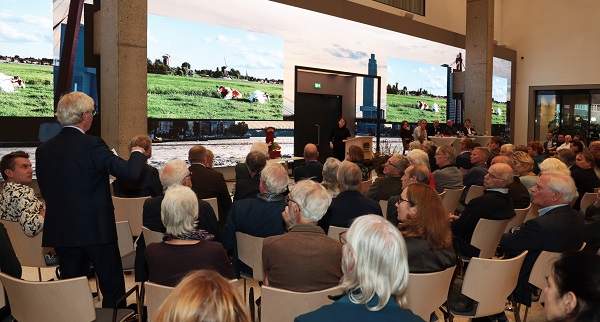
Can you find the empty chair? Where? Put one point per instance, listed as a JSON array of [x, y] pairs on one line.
[[249, 250], [452, 198], [63, 300], [126, 248], [334, 232], [474, 192], [214, 204], [489, 282], [518, 219], [278, 305], [130, 209], [588, 199], [428, 291], [384, 205], [151, 236], [364, 186]]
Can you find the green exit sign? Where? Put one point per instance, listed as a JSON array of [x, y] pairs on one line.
[[317, 85]]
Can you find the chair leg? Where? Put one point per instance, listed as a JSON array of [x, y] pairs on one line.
[[525, 317], [40, 273], [251, 303]]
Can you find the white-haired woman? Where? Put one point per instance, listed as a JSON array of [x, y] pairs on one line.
[[375, 275], [420, 157], [184, 248]]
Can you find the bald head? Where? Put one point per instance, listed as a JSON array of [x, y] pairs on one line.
[[503, 159], [500, 175], [311, 152], [197, 154]]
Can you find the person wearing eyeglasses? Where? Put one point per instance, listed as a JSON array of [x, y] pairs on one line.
[[73, 174], [375, 278], [390, 185], [495, 204], [304, 259]]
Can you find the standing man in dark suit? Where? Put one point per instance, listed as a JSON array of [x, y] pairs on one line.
[[559, 228], [312, 169], [72, 171], [209, 183]]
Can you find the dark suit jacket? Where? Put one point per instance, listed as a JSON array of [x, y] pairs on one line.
[[433, 130], [585, 181], [310, 169], [384, 187], [241, 171], [559, 230], [148, 184], [463, 160], [72, 171], [519, 194], [448, 130], [151, 219], [347, 206], [247, 188], [466, 131], [209, 183]]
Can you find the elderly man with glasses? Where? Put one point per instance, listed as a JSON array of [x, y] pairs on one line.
[[391, 184], [495, 204]]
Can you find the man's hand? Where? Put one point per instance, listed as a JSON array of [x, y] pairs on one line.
[[452, 217]]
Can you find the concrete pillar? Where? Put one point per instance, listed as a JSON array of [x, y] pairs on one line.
[[478, 64], [120, 34]]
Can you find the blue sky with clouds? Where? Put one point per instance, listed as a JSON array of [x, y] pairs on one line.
[[415, 75], [26, 28]]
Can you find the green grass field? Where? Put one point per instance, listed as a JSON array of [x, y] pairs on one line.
[[37, 99], [403, 107], [197, 98]]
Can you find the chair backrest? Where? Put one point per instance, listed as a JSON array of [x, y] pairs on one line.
[[156, 295], [278, 305], [490, 282], [383, 204], [426, 292], [443, 195], [249, 250], [486, 236], [518, 219], [151, 236], [474, 192], [28, 249], [533, 212], [452, 198], [588, 199], [541, 269], [125, 243], [64, 300], [334, 232], [364, 186], [214, 205], [130, 209]]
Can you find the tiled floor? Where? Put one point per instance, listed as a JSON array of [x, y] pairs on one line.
[[535, 313]]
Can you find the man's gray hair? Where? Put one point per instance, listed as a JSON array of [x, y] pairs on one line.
[[401, 162], [330, 169], [449, 152], [275, 177], [349, 176], [562, 183], [173, 173], [71, 107], [374, 262], [420, 172], [179, 210], [255, 161], [261, 147], [312, 198]]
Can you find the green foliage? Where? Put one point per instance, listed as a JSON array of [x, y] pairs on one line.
[[37, 99], [404, 107], [197, 98]]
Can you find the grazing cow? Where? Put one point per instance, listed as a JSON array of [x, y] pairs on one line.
[[422, 105], [8, 83], [259, 96], [228, 92]]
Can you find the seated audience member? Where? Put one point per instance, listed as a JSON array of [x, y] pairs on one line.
[[536, 152], [304, 259], [415, 145], [573, 290], [474, 176], [550, 144], [418, 157], [507, 150], [261, 216], [208, 183], [248, 187], [429, 147], [463, 159], [426, 231], [312, 168], [516, 190], [555, 165], [566, 144], [9, 264], [559, 228], [350, 203], [414, 173], [241, 171], [524, 164], [210, 158], [447, 176], [184, 248], [375, 276], [148, 184], [203, 296], [576, 146], [584, 175], [495, 145], [356, 155], [495, 204], [175, 172], [330, 169], [17, 200], [521, 147], [385, 187], [595, 146], [592, 226], [449, 129]]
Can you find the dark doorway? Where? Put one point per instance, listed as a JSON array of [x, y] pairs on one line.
[[315, 115]]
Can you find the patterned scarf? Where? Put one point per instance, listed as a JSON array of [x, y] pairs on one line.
[[197, 234]]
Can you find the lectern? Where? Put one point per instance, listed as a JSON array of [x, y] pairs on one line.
[[364, 142]]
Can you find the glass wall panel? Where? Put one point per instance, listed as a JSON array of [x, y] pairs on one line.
[[547, 114]]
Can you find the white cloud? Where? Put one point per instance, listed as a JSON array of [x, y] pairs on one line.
[[8, 32], [222, 38], [251, 38]]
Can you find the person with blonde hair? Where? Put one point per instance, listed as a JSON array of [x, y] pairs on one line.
[[554, 165], [148, 184], [375, 275], [203, 295], [426, 230], [523, 165]]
